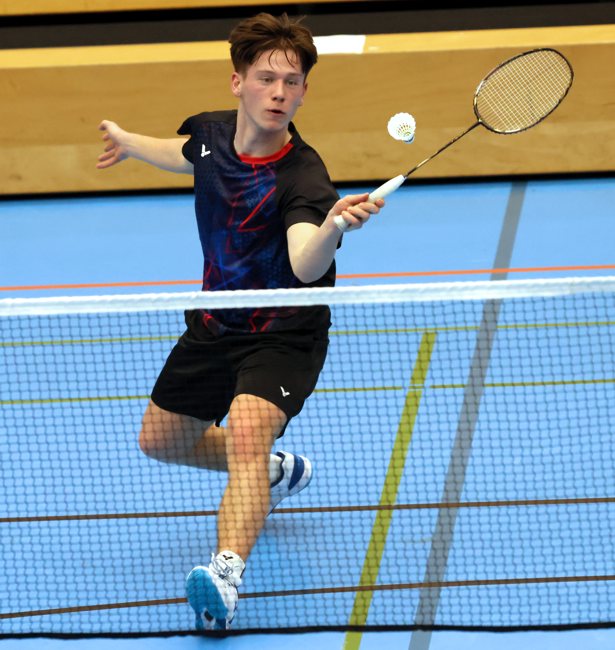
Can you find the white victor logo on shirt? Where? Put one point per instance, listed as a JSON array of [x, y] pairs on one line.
[[204, 151]]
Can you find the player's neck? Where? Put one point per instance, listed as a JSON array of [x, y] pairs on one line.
[[258, 144]]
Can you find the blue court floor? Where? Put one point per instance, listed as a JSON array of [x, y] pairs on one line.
[[427, 233]]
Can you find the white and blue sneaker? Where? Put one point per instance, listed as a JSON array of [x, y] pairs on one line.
[[212, 591], [295, 476]]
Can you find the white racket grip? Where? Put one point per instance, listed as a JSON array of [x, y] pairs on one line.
[[386, 188], [340, 222], [379, 193]]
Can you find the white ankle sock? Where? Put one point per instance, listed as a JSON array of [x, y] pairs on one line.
[[275, 468], [235, 562]]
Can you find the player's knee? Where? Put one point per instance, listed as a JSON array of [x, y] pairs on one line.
[[154, 445], [147, 444]]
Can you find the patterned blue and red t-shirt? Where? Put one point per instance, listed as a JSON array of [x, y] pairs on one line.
[[244, 207]]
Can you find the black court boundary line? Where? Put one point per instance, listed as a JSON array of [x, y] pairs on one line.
[[514, 503], [567, 627], [497, 582]]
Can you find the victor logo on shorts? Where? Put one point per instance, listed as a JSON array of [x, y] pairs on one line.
[[285, 393]]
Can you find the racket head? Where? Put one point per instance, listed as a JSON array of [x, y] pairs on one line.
[[523, 90]]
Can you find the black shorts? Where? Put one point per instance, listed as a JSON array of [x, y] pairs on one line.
[[202, 375]]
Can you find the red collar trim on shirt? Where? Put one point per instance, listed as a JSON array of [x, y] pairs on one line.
[[251, 160]]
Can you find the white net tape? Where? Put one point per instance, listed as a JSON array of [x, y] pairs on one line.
[[394, 293]]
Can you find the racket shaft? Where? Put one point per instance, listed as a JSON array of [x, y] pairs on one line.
[[386, 188]]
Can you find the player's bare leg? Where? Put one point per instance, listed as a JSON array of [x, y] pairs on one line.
[[253, 425], [181, 439], [258, 481], [173, 438]]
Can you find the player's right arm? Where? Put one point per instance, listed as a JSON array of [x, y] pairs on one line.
[[162, 153]]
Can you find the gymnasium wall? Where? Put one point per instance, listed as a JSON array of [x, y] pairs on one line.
[[54, 95]]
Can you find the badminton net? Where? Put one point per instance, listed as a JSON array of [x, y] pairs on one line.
[[461, 438]]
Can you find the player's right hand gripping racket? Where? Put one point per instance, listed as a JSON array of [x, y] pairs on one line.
[[513, 97]]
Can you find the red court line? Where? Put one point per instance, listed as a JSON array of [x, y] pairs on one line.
[[341, 276], [98, 285]]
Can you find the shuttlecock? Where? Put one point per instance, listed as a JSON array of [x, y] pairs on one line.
[[402, 127]]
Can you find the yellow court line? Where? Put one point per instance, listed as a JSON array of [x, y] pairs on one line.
[[395, 470]]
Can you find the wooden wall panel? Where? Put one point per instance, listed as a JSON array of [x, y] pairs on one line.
[[54, 99], [34, 7]]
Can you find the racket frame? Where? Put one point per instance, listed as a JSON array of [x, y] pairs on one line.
[[499, 67]]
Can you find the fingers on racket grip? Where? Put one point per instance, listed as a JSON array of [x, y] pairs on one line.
[[379, 193], [386, 188], [341, 223]]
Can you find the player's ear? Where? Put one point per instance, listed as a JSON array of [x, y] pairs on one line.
[[236, 84], [305, 87]]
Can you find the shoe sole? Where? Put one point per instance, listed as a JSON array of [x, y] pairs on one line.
[[204, 595]]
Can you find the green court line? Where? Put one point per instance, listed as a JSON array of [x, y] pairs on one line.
[[395, 470], [363, 389], [529, 384], [401, 330], [471, 328], [522, 326], [124, 339], [111, 398], [70, 400], [347, 389]]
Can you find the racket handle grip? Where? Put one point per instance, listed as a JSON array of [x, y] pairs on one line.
[[379, 193], [386, 188], [341, 223]]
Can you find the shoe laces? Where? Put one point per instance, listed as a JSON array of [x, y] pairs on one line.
[[224, 570]]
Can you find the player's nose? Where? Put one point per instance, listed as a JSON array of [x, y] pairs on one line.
[[279, 90]]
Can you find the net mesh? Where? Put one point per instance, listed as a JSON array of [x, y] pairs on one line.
[[461, 436], [523, 91]]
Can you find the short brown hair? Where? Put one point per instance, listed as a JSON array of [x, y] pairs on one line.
[[253, 36]]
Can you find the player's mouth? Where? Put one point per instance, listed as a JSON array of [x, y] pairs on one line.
[[276, 111]]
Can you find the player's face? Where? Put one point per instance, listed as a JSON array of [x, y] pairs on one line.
[[271, 90]]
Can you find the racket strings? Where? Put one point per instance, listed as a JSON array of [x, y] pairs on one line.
[[523, 91]]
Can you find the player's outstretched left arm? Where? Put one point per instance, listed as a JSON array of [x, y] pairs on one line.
[[312, 248], [164, 153]]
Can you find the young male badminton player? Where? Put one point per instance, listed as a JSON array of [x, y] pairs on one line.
[[265, 209]]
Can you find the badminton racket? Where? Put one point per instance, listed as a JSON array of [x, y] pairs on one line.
[[515, 96]]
